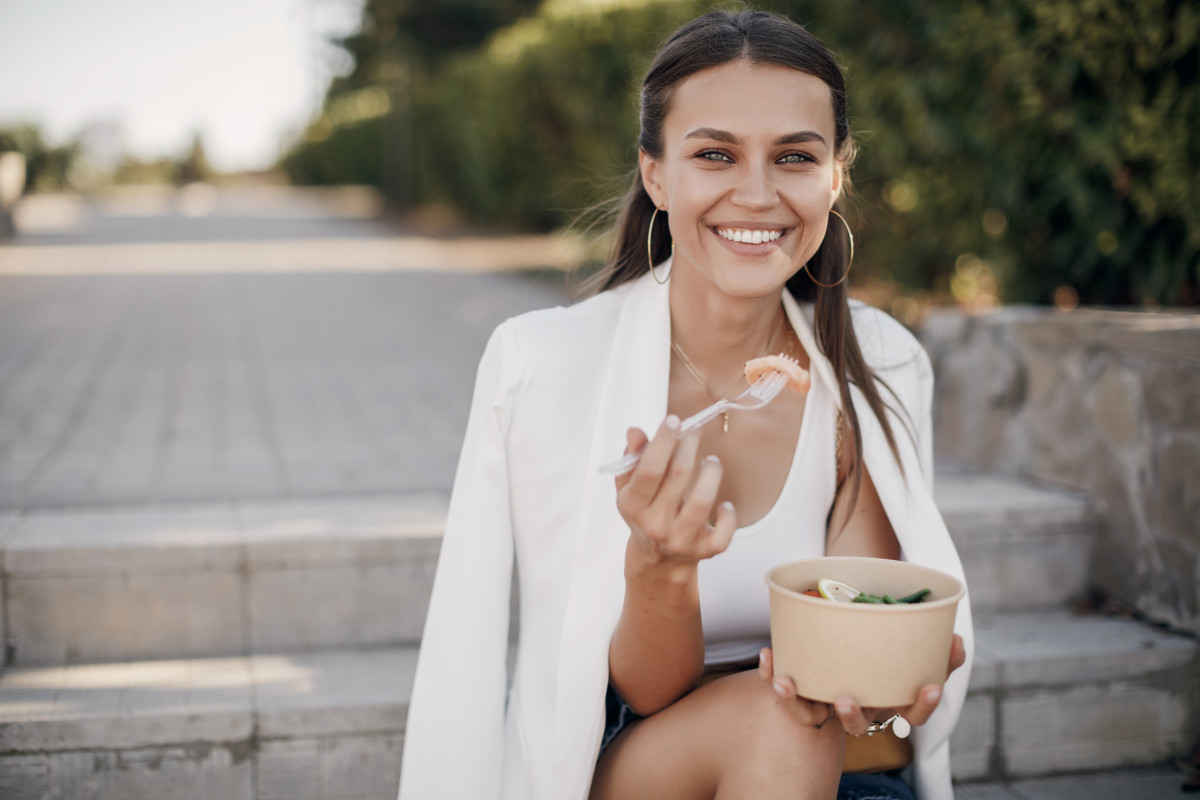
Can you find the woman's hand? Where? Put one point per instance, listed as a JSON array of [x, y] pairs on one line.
[[667, 500], [854, 718], [812, 713]]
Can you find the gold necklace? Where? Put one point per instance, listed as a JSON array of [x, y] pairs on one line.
[[695, 373]]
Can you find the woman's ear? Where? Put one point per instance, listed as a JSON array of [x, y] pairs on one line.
[[651, 170], [839, 179]]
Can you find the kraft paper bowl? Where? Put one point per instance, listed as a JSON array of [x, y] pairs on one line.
[[879, 654]]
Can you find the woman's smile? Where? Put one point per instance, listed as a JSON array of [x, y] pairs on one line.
[[750, 240]]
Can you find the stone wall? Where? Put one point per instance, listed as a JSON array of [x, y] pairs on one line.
[[1103, 401]]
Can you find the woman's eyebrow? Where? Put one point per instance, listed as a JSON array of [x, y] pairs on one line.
[[799, 137]]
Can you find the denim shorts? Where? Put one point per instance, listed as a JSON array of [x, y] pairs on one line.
[[617, 717], [860, 786]]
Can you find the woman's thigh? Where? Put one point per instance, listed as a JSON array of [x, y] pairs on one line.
[[728, 738]]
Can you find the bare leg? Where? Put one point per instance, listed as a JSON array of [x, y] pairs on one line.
[[728, 739]]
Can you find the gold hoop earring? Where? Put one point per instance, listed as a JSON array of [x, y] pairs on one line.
[[650, 249], [849, 264]]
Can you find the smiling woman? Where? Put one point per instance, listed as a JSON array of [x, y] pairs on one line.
[[643, 668]]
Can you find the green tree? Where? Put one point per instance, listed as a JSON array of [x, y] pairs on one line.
[[194, 166], [47, 167]]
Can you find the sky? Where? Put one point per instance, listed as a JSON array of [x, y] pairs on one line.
[[245, 74]]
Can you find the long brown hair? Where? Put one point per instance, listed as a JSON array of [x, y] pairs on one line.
[[759, 38]]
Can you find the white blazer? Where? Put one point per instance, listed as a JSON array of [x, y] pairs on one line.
[[555, 392]]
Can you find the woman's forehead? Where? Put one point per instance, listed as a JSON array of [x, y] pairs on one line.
[[751, 101]]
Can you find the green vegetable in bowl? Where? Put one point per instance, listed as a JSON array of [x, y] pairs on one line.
[[887, 599]]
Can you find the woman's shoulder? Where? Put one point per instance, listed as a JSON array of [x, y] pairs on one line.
[[885, 343]]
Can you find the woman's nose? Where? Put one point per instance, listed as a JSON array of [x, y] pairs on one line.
[[755, 189]]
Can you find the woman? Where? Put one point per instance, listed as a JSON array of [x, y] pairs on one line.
[[646, 593]]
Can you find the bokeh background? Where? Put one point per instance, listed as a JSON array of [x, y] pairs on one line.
[[1011, 150]]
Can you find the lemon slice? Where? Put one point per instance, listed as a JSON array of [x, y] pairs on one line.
[[838, 592]]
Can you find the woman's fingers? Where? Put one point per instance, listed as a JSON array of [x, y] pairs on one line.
[[785, 687], [698, 507], [929, 696], [766, 664], [635, 440], [723, 528], [853, 716], [808, 712], [958, 654], [680, 470], [642, 484], [927, 702], [668, 499], [856, 719]]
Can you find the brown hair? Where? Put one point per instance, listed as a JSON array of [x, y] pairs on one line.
[[759, 38]]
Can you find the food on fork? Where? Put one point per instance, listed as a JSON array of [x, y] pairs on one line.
[[797, 376]]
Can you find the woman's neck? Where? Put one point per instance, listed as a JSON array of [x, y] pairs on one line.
[[721, 333]]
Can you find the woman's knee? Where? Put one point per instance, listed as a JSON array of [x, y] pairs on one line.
[[777, 728], [730, 733], [770, 751]]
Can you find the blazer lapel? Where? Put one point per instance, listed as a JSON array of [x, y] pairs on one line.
[[634, 393]]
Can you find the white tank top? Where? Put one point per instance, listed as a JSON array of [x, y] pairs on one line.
[[734, 607]]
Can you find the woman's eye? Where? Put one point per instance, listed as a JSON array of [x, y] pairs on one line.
[[715, 155], [795, 158]]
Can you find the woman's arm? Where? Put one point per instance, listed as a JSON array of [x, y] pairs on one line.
[[456, 715], [657, 650]]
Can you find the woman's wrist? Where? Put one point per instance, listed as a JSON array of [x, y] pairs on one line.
[[652, 569]]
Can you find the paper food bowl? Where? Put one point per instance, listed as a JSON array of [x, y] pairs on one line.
[[879, 654]]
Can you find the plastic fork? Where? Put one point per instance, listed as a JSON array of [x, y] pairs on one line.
[[761, 392]]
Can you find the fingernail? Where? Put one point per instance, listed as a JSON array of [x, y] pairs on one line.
[[845, 708], [933, 695], [672, 422], [712, 460], [728, 506], [780, 689]]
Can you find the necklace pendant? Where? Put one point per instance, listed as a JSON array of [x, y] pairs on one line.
[[725, 426]]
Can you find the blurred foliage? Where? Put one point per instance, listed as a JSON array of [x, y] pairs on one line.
[[194, 165], [50, 168], [1009, 149], [47, 168], [399, 36]]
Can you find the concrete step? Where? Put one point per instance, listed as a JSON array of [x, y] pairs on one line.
[[1054, 692], [128, 585], [120, 584], [318, 726], [1144, 783], [1023, 547], [1050, 694]]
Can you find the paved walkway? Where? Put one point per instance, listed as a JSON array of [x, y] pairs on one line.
[[225, 381]]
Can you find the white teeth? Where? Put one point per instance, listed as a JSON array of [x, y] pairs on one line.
[[749, 236]]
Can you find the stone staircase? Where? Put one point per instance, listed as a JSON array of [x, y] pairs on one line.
[[266, 651]]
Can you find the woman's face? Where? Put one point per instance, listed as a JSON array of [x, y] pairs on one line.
[[748, 174]]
